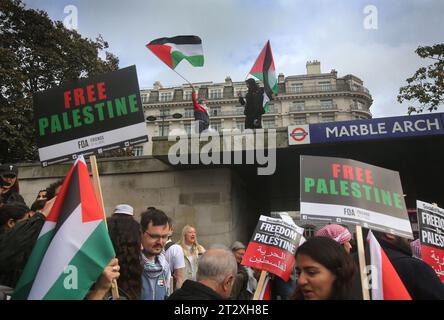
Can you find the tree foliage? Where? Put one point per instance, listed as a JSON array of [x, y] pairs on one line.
[[36, 54], [426, 86]]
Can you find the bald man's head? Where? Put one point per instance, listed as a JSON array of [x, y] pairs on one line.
[[217, 269]]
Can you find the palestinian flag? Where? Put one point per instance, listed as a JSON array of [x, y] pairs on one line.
[[173, 50], [263, 69], [73, 247], [386, 284]]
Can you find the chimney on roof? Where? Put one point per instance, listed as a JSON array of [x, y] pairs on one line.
[[157, 85], [313, 67]]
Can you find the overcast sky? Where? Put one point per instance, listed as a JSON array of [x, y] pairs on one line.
[[233, 32]]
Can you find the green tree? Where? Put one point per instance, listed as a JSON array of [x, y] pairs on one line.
[[426, 86], [36, 54]]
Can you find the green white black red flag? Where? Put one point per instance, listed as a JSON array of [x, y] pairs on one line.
[[263, 69], [73, 247]]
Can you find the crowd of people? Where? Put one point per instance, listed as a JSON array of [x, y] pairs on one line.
[[149, 265]]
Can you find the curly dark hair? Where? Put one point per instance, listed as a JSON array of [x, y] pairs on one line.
[[332, 256], [50, 190], [126, 236]]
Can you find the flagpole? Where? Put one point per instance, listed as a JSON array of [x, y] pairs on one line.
[[98, 191], [260, 285], [362, 265], [182, 77]]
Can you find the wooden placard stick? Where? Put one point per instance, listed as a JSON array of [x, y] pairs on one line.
[[260, 285], [362, 265], [98, 191]]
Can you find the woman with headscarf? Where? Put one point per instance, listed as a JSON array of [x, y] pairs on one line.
[[337, 233], [325, 271], [192, 251]]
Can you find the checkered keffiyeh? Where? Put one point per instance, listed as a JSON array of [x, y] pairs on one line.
[[336, 232], [416, 248]]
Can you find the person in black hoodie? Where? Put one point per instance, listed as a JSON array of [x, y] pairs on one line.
[[215, 277], [418, 277], [254, 105]]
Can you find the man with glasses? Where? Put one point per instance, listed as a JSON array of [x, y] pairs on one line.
[[156, 270], [9, 186]]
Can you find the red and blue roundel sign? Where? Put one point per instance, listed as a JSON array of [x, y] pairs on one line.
[[298, 134]]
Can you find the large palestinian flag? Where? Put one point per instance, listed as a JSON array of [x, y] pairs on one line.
[[263, 69], [386, 283], [73, 247], [173, 50]]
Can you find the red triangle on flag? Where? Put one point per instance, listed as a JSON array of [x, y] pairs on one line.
[[91, 209], [258, 66], [163, 52], [393, 287]]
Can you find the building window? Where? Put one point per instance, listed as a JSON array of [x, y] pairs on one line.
[[187, 95], [216, 125], [269, 123], [296, 87], [298, 106], [273, 108], [164, 130], [325, 86], [164, 113], [138, 151], [189, 113], [215, 94], [215, 111], [239, 110], [309, 231], [299, 120], [326, 104], [357, 105], [327, 118], [166, 96], [145, 98]]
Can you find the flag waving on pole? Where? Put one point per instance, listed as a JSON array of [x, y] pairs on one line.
[[263, 69], [173, 50], [73, 247], [386, 284]]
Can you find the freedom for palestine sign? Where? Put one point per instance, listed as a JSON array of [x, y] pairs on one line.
[[344, 191], [89, 116]]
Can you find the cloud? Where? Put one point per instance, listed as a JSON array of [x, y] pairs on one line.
[[233, 33]]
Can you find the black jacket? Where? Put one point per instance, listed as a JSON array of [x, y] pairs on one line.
[[11, 196], [193, 290], [418, 277], [254, 104], [16, 246]]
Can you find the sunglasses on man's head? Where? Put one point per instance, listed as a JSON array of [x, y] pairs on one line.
[[8, 175]]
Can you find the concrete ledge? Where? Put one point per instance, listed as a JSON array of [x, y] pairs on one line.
[[107, 166]]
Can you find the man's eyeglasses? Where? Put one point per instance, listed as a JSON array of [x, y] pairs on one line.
[[157, 236]]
